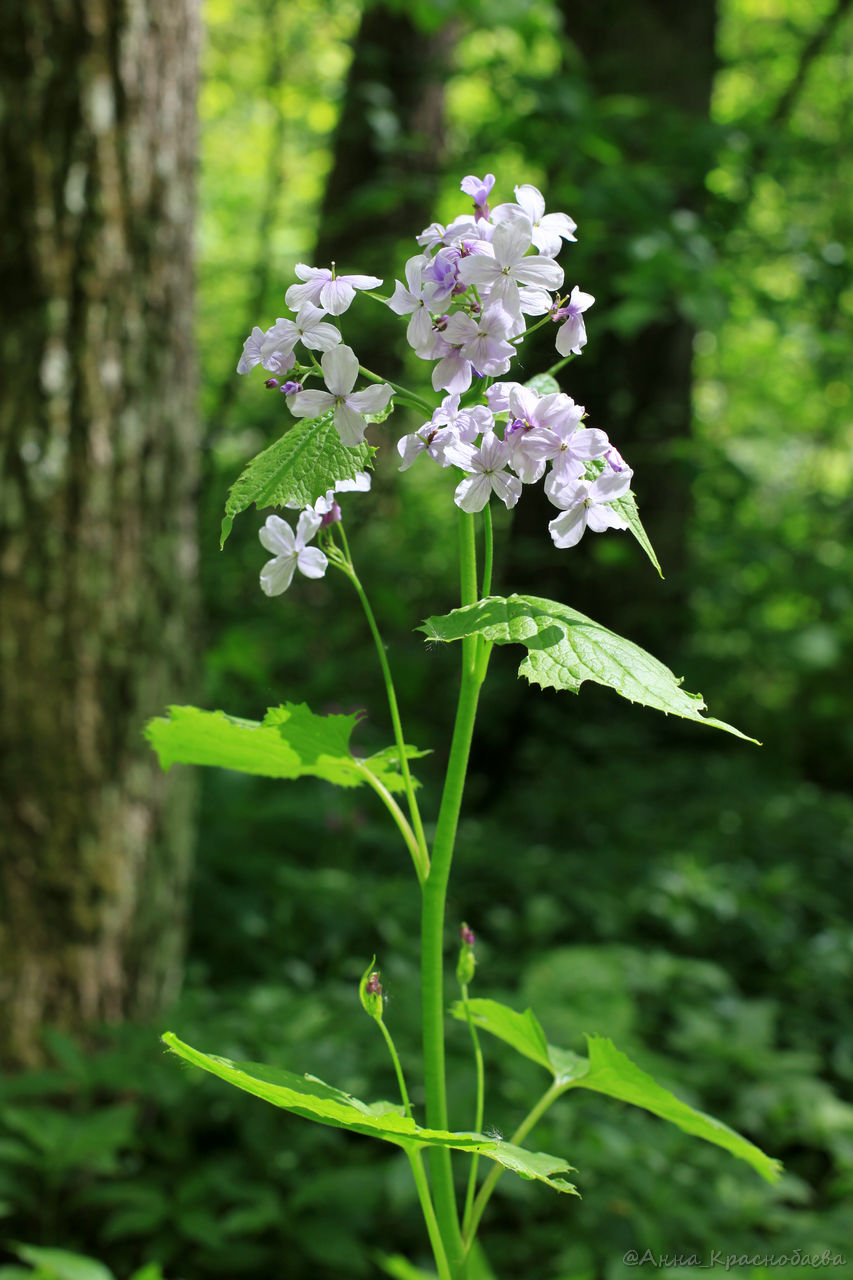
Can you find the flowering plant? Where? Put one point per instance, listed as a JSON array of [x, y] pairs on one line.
[[472, 294]]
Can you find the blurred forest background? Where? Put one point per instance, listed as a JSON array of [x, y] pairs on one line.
[[685, 893]]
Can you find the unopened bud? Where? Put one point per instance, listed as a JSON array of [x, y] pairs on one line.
[[467, 963], [370, 992], [271, 382]]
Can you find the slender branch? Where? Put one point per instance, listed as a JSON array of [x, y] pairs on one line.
[[488, 551], [400, 391], [422, 863], [549, 1096]]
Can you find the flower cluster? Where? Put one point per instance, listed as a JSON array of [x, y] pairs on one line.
[[469, 294], [476, 280], [321, 293], [512, 442]]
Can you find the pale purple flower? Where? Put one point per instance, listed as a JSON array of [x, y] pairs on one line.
[[502, 273], [564, 443], [483, 340], [487, 474], [498, 395], [478, 189], [435, 235], [549, 229], [340, 370], [571, 336], [448, 425], [252, 350], [585, 504], [531, 418], [323, 288], [416, 301], [290, 551], [453, 371]]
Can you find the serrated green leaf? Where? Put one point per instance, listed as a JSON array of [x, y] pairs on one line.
[[613, 1073], [290, 742], [544, 384], [314, 1100], [296, 470], [607, 1070], [58, 1264], [564, 648]]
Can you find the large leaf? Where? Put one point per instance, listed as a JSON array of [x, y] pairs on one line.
[[290, 742], [296, 470], [612, 1072], [312, 1098], [564, 648], [608, 1070]]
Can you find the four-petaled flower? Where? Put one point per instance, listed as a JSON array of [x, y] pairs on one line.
[[290, 551], [325, 289], [488, 474], [586, 503], [340, 370], [571, 336]]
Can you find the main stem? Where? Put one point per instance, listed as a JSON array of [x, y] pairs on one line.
[[433, 909]]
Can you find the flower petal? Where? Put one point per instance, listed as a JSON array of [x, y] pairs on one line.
[[277, 537], [312, 562], [277, 575], [310, 404], [507, 487], [350, 425], [372, 399], [472, 493], [340, 369], [568, 529]]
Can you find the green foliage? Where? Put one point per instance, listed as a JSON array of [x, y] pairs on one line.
[[296, 470], [59, 1264], [611, 1072], [290, 742], [564, 648], [311, 1098]]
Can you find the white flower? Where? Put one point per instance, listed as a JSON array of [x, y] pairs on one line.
[[309, 328], [549, 229], [488, 474], [586, 504], [509, 268], [571, 336], [340, 370], [415, 301], [325, 289], [290, 552]]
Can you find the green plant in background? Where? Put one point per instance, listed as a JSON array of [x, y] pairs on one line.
[[59, 1264], [469, 296]]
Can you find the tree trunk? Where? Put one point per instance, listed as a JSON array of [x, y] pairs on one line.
[[97, 522]]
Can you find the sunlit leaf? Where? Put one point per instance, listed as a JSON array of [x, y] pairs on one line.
[[58, 1264], [296, 470], [564, 648], [290, 742], [314, 1100]]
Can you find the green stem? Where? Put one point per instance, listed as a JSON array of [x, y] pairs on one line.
[[400, 391], [417, 1164], [550, 1095], [478, 1116], [422, 861], [488, 551], [433, 911]]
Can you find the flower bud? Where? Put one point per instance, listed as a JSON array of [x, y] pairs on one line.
[[370, 992], [467, 962], [271, 382]]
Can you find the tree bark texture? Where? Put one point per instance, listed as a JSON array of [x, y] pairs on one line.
[[97, 539]]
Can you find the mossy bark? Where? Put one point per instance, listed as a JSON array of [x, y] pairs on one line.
[[98, 433]]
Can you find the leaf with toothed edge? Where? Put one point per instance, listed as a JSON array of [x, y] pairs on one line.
[[296, 470], [565, 648], [290, 742]]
